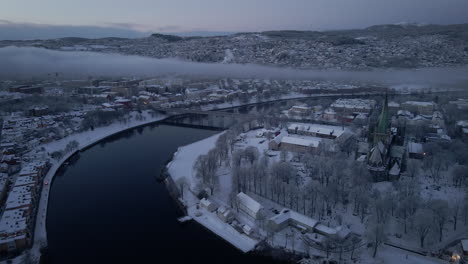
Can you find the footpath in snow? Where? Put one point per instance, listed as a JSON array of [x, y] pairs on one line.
[[181, 168]]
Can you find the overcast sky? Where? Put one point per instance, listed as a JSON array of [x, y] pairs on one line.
[[230, 15]]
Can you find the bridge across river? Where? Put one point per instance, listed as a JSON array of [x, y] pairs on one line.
[[184, 111]]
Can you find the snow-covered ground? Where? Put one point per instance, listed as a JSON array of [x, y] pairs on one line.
[[181, 167], [184, 159], [84, 139]]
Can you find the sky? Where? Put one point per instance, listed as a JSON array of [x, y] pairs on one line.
[[143, 16]]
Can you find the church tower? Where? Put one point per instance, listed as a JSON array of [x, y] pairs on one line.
[[381, 132], [378, 158]]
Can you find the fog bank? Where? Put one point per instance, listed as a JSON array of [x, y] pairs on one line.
[[22, 63]]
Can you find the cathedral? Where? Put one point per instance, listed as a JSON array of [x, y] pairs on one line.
[[385, 157]]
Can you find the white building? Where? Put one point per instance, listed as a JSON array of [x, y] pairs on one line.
[[248, 205]]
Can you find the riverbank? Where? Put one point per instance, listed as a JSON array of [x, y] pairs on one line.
[[85, 139], [180, 169]]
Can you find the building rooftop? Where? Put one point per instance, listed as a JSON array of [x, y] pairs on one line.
[[415, 148], [12, 222], [248, 202], [419, 103], [317, 128], [18, 197], [307, 142], [25, 180], [287, 215]]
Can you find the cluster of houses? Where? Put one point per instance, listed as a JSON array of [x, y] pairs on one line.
[[275, 222], [19, 205], [161, 93], [22, 133], [342, 110]]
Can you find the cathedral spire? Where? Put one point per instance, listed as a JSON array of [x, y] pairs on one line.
[[381, 131]]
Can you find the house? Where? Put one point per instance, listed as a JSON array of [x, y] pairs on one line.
[[14, 232], [247, 230], [415, 150], [248, 205], [299, 111], [329, 114], [225, 214], [208, 205], [274, 144], [288, 217], [464, 244]]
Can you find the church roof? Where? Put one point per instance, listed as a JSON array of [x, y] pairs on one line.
[[395, 170], [375, 157]]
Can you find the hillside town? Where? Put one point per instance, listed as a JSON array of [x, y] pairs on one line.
[[384, 46]]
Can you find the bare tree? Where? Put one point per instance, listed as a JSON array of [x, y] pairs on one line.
[[422, 222], [376, 234], [181, 182], [459, 175], [223, 148], [251, 154], [413, 167], [206, 170], [284, 155], [440, 210], [455, 212]]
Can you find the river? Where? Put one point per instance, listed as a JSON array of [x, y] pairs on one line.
[[107, 206]]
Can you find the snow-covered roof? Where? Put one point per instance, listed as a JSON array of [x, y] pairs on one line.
[[12, 221], [279, 137], [248, 202], [309, 142], [395, 170], [317, 128], [414, 147], [464, 244], [354, 103], [462, 123], [418, 103], [393, 104], [206, 203], [326, 230], [362, 158], [19, 196], [375, 156], [288, 215], [25, 180]]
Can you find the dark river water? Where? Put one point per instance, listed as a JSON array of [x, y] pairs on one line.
[[107, 206]]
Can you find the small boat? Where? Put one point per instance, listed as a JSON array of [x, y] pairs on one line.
[[184, 219]]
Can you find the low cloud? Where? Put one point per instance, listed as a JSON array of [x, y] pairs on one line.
[[22, 63], [26, 31]]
